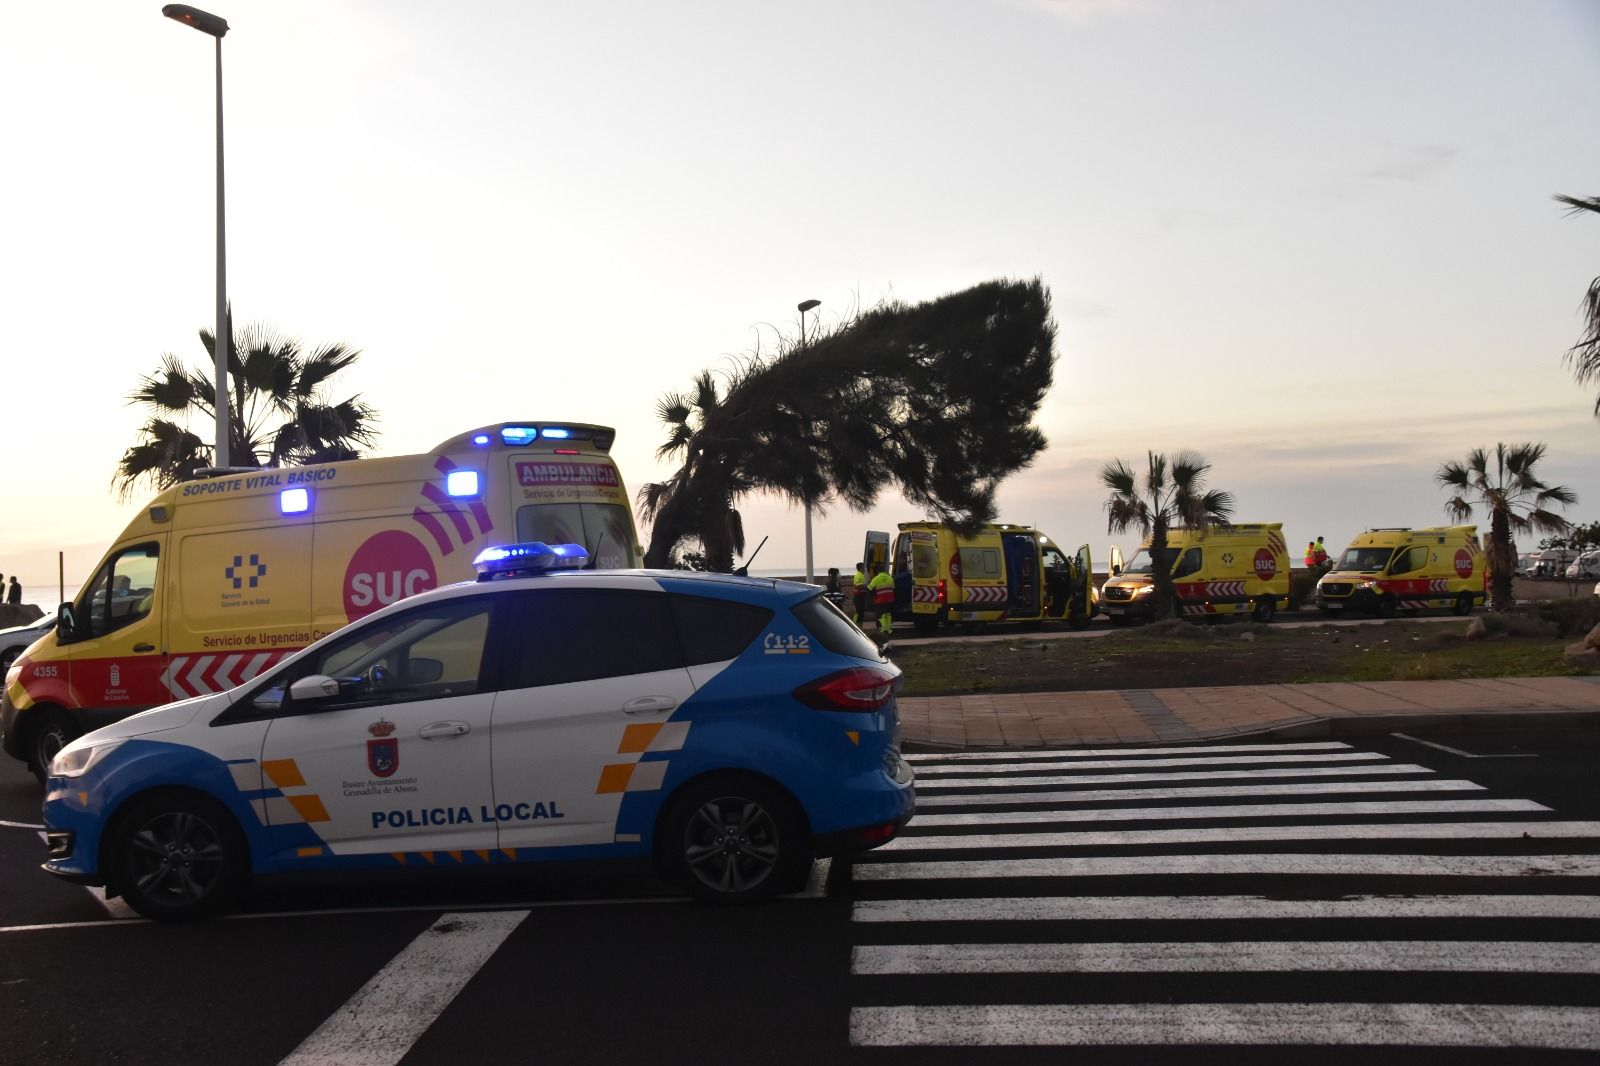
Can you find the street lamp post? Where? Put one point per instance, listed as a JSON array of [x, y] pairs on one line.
[[811, 573], [215, 26]]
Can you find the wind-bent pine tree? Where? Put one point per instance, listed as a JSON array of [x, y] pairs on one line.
[[936, 399], [1169, 496], [1514, 499]]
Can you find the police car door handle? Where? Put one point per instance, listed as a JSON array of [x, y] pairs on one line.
[[649, 705], [444, 729]]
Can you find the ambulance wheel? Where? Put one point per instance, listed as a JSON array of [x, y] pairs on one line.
[[1265, 609], [1078, 620], [177, 856], [734, 839], [1463, 604], [1387, 606], [46, 739]]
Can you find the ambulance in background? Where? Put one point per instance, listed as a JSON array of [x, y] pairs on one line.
[[1404, 569], [1241, 568], [1000, 573], [219, 578]]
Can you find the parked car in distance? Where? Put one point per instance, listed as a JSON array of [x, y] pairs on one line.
[[15, 641], [1584, 566]]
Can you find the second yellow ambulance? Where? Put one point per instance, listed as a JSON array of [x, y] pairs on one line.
[[1404, 569], [1234, 569]]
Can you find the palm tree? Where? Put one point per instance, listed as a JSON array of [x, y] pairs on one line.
[[279, 412], [1171, 497], [936, 399], [1585, 355], [1514, 499]]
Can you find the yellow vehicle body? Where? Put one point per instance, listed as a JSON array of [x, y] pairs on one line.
[[1404, 569], [219, 578], [1235, 569], [999, 573]]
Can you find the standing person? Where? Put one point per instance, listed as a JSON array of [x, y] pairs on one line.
[[14, 595], [832, 584], [858, 590], [1311, 554], [1321, 553], [881, 589]]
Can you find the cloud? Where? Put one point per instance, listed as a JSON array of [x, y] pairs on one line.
[[1416, 164]]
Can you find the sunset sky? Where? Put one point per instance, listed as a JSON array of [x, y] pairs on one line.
[[1315, 242]]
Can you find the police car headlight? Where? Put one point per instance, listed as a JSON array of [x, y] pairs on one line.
[[75, 761]]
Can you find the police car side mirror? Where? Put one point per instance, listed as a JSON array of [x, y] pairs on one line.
[[313, 688]]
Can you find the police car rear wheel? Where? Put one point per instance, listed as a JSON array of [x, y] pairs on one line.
[[734, 841], [177, 858]]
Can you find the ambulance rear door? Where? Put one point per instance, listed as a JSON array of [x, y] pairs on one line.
[[1085, 595], [875, 551], [1022, 574]]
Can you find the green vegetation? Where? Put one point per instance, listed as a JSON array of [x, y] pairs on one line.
[[1176, 654], [1584, 356], [1166, 498]]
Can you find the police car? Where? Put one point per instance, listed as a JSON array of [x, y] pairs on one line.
[[731, 728]]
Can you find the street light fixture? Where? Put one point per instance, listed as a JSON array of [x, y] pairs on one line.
[[811, 573], [215, 26]]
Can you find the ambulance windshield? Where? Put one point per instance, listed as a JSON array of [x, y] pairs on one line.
[[1366, 560], [1139, 562], [604, 529]]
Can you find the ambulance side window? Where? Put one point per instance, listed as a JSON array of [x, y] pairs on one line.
[[123, 592], [559, 636], [924, 560], [1412, 559], [1189, 564]]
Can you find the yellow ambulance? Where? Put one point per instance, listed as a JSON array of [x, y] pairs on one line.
[[1000, 573], [218, 578], [1404, 569], [1241, 568]]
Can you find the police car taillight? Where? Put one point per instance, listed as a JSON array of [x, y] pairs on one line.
[[862, 688], [534, 557]]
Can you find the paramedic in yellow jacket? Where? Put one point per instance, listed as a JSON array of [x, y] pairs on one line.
[[880, 591]]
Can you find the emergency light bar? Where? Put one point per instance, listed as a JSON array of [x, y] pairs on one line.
[[534, 557]]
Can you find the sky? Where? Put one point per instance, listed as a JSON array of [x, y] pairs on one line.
[[1314, 242]]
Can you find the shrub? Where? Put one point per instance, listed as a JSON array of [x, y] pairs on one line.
[[1517, 624], [1573, 617]]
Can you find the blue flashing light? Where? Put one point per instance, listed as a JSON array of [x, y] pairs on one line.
[[555, 433], [294, 501], [481, 440], [461, 483], [519, 434], [533, 557]]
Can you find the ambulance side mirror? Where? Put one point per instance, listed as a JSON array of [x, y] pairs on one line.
[[66, 625], [1116, 571], [313, 688]]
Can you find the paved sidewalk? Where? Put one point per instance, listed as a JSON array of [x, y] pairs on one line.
[[1163, 716]]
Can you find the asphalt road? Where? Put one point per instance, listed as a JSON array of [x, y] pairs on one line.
[[1219, 903]]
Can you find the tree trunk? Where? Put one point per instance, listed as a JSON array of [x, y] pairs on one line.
[[1501, 562], [1161, 573]]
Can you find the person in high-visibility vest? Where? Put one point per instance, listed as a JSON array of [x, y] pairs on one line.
[[858, 592], [881, 590], [1311, 554], [1320, 553]]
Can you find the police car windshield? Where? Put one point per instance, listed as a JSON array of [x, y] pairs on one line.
[[1140, 562], [604, 529], [1366, 560]]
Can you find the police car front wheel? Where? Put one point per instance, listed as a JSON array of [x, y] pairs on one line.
[[177, 857], [734, 841]]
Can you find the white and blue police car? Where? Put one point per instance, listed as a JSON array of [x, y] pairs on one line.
[[732, 728]]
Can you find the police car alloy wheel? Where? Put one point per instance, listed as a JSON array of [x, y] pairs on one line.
[[734, 840], [177, 856]]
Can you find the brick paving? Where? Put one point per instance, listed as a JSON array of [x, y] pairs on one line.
[[1156, 716]]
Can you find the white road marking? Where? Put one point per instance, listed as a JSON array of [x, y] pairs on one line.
[[1272, 956], [1375, 1024], [1123, 752], [382, 1020], [924, 785], [1458, 751], [1240, 810], [1100, 795], [1293, 864], [1247, 834], [1130, 764], [1222, 908]]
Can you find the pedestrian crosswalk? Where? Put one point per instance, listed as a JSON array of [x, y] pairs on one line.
[[1297, 894]]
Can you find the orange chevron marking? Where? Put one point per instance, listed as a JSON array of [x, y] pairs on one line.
[[283, 773], [637, 738], [614, 778], [310, 808]]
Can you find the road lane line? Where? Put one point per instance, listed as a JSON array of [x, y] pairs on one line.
[[924, 785], [1130, 764], [1245, 834], [1459, 752], [1100, 795], [1239, 810], [1222, 908], [1273, 956], [1123, 752], [385, 1018], [1378, 865], [1373, 1024]]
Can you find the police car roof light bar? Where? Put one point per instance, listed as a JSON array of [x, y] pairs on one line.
[[533, 557]]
